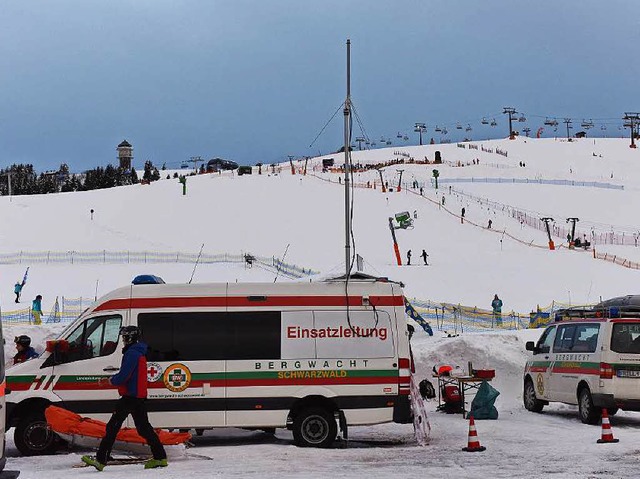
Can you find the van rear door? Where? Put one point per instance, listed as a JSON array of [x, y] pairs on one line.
[[625, 358]]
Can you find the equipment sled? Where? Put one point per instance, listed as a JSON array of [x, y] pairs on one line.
[[85, 432]]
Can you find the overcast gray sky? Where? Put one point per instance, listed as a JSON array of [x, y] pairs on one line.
[[255, 81]]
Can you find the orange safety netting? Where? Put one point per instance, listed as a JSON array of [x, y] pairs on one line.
[[67, 422]]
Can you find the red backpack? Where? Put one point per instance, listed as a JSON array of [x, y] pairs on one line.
[[451, 399]]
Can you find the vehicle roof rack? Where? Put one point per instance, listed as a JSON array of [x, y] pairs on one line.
[[631, 311], [359, 276]]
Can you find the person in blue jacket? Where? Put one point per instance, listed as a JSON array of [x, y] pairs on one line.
[[496, 306], [131, 381], [24, 348], [36, 309]]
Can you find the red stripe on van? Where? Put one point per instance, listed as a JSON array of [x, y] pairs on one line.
[[243, 301], [49, 382], [572, 370], [39, 382], [307, 381], [538, 369], [238, 383]]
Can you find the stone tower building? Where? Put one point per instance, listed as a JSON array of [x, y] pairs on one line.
[[125, 155]]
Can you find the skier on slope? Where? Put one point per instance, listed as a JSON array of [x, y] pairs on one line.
[[18, 290]]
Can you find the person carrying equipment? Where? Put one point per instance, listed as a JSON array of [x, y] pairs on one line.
[[132, 386]]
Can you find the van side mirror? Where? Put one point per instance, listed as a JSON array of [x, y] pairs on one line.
[[58, 349], [530, 346]]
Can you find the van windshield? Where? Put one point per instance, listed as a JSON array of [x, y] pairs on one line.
[[625, 338]]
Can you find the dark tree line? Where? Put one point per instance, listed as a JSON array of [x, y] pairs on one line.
[[26, 181]]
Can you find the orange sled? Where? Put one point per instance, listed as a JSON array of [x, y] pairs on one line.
[[87, 432]]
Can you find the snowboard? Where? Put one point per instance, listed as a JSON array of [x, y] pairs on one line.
[[118, 461]]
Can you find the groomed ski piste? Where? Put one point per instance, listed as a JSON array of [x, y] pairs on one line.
[[270, 214]]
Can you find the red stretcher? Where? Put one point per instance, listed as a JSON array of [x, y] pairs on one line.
[[88, 432]]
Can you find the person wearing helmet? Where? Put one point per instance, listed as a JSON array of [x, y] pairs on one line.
[[25, 351], [131, 381]]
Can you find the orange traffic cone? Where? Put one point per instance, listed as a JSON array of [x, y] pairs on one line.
[[473, 444], [607, 434]]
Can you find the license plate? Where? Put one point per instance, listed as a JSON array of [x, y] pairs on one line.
[[628, 373]]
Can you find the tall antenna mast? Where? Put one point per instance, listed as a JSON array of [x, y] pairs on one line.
[[347, 167]]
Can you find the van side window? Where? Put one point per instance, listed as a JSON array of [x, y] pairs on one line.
[[564, 339], [201, 336], [625, 338], [576, 338], [93, 338], [586, 338], [546, 340]]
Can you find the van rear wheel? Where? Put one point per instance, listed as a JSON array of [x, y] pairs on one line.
[[33, 437], [589, 414], [315, 427], [531, 403]]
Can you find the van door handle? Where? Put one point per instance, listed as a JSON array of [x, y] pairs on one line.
[[546, 357], [111, 369]]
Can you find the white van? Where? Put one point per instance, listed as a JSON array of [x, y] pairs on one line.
[[294, 355], [592, 362]]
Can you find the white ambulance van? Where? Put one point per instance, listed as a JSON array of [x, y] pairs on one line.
[[302, 356], [588, 357]]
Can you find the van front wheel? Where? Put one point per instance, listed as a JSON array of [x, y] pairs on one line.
[[531, 403], [589, 414], [314, 427], [33, 437]]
